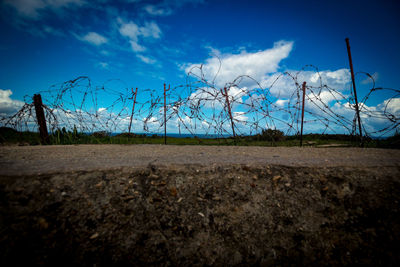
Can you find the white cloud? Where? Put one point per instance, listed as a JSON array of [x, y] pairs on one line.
[[150, 29], [134, 32], [130, 30], [152, 124], [93, 38], [168, 7], [8, 106], [32, 8], [50, 30], [370, 78], [146, 59], [27, 8], [281, 102], [240, 116], [327, 91], [103, 65], [373, 118], [391, 106], [228, 67], [214, 99], [155, 11], [137, 47], [284, 85], [317, 102]]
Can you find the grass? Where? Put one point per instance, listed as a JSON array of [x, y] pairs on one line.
[[269, 139]]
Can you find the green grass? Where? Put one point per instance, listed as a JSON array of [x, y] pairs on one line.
[[63, 137]]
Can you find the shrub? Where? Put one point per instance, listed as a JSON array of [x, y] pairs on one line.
[[272, 135], [100, 134]]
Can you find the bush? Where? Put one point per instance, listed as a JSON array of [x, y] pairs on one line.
[[7, 133], [271, 135], [101, 134], [127, 135]]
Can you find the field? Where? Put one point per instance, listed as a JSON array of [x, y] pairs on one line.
[[110, 205], [274, 138]]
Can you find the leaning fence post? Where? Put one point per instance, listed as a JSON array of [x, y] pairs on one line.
[[230, 114], [165, 113], [302, 114], [133, 109], [41, 120], [354, 89]]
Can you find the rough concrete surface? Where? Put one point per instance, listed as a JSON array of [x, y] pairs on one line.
[[129, 205]]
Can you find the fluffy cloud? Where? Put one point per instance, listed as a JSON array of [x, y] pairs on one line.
[[146, 59], [373, 118], [32, 8], [137, 47], [155, 11], [8, 106], [240, 117], [391, 106], [327, 96], [214, 98], [370, 78], [281, 102], [226, 68], [130, 30], [150, 29], [134, 32], [285, 84], [167, 7], [93, 38]]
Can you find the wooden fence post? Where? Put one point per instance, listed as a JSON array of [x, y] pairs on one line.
[[41, 120], [225, 93], [354, 90]]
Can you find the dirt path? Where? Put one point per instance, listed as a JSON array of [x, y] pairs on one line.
[[27, 160]]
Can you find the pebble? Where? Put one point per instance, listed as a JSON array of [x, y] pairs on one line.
[[276, 178], [96, 235]]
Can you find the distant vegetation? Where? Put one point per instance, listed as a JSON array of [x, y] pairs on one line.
[[268, 137]]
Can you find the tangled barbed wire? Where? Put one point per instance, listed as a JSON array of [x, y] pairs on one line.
[[243, 106]]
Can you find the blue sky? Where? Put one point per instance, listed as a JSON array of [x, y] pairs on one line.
[[146, 43]]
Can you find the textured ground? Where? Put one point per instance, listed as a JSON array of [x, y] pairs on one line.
[[192, 205], [15, 160]]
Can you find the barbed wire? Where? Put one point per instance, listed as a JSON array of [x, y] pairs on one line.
[[243, 106]]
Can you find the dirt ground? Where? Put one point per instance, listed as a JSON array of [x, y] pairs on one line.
[[23, 160], [152, 205]]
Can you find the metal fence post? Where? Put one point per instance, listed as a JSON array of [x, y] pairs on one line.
[[354, 89], [133, 109], [230, 113], [302, 114], [41, 120], [165, 113]]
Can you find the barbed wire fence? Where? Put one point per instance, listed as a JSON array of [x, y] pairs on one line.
[[240, 107]]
